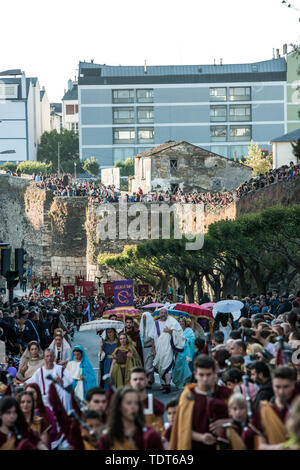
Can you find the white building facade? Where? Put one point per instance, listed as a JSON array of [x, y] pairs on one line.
[[24, 115], [70, 116]]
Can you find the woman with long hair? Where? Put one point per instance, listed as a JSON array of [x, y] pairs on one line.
[[15, 434], [43, 411], [34, 422], [125, 358], [31, 361], [125, 429]]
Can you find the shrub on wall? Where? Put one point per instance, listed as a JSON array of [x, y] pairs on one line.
[[9, 166], [30, 168]]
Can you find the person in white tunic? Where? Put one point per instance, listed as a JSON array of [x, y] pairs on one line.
[[146, 325], [168, 339], [58, 373], [82, 372]]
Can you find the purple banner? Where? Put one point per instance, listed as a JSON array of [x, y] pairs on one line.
[[123, 293]]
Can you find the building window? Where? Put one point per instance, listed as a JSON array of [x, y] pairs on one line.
[[145, 115], [240, 112], [144, 96], [218, 113], [173, 164], [238, 133], [123, 136], [123, 96], [220, 150], [76, 108], [146, 135], [8, 91], [218, 133], [238, 151], [240, 94], [123, 115], [70, 109], [217, 94], [174, 188], [121, 154]]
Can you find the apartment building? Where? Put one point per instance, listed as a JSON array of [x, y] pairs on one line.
[[126, 110]]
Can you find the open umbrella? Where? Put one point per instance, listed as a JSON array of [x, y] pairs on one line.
[[154, 305], [173, 313], [228, 306], [195, 310], [122, 312], [209, 305], [102, 325]]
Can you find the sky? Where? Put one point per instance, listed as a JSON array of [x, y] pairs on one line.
[[47, 39]]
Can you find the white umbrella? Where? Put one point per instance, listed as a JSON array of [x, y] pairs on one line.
[[102, 325], [228, 306]]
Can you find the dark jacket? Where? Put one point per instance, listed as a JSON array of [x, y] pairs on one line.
[[30, 332], [286, 306], [264, 393]]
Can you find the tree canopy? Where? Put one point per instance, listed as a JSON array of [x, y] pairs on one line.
[[253, 252], [68, 142], [257, 160]]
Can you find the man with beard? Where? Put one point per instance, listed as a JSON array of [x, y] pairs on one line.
[[202, 410], [138, 381], [134, 334], [168, 339]]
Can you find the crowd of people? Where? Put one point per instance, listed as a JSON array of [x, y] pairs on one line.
[[99, 193], [235, 382]]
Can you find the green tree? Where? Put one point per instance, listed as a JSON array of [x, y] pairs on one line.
[[9, 166], [126, 167], [91, 166], [68, 142], [257, 160], [296, 149], [30, 167]]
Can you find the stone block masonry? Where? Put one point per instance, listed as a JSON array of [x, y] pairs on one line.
[[60, 233]]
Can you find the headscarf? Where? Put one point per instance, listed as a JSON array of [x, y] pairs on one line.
[[149, 325], [33, 364], [66, 348], [90, 379]]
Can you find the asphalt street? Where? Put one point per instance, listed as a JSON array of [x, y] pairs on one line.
[[89, 340]]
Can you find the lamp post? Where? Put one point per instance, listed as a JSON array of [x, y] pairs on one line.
[[75, 165]]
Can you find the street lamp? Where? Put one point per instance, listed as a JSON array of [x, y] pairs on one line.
[[75, 165]]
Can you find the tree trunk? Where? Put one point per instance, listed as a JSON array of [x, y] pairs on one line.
[[189, 291], [199, 288]]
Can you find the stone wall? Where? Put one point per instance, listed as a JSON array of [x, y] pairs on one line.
[[60, 234]]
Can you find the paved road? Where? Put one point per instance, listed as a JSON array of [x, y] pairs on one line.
[[90, 342]]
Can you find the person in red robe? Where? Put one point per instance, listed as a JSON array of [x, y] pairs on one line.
[[139, 381], [125, 429], [15, 434], [200, 406], [78, 437], [270, 417]]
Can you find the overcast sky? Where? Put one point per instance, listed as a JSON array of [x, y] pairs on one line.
[[47, 39]]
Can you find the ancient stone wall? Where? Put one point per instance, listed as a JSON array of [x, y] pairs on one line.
[[60, 233]]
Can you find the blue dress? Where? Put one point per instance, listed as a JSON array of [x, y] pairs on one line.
[[108, 349], [182, 372]]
